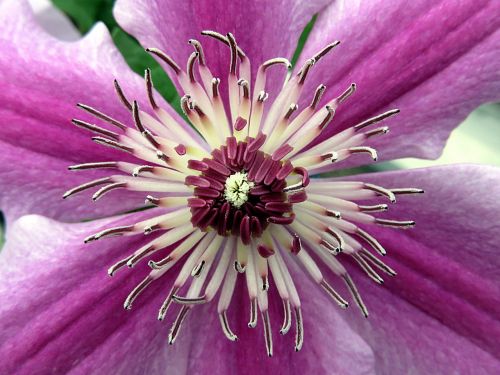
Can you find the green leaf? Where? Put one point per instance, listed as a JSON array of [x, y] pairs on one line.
[[85, 13]]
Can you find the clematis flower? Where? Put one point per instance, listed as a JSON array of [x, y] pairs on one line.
[[61, 313]]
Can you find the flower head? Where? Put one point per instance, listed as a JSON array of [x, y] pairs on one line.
[[60, 313], [239, 199]]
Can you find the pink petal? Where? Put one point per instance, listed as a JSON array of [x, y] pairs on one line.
[[440, 313], [33, 182], [42, 79], [263, 29], [436, 61], [62, 313]]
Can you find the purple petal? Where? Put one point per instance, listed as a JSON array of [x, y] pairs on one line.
[[42, 80], [62, 313], [436, 61], [263, 29], [440, 313]]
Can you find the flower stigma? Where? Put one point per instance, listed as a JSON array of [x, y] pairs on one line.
[[237, 189], [230, 196]]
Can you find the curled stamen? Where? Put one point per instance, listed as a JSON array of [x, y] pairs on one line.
[[215, 87], [95, 129], [347, 93], [376, 119], [268, 336], [299, 329], [233, 47], [378, 189], [287, 318], [252, 323], [361, 149], [165, 58], [190, 66], [226, 328], [317, 96], [121, 95], [244, 85], [112, 144], [86, 185], [102, 116], [374, 208], [395, 223], [305, 70], [371, 240], [149, 88], [127, 305], [166, 304], [262, 96], [367, 269], [377, 262], [332, 293], [174, 332], [116, 231], [199, 49], [222, 39], [325, 50], [189, 301], [108, 188], [407, 191], [355, 294]]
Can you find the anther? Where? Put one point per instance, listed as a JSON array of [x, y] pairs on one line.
[[376, 119], [95, 129], [190, 66], [243, 83], [347, 93], [299, 329], [262, 96], [165, 58], [215, 87], [199, 49], [325, 50], [121, 95], [149, 88], [222, 39], [395, 223], [378, 189], [252, 323], [328, 117], [112, 144], [189, 301], [277, 60], [305, 70], [233, 47], [226, 328], [317, 96], [355, 294], [94, 112]]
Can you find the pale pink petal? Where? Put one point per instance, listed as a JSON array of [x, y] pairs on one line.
[[440, 313], [435, 61]]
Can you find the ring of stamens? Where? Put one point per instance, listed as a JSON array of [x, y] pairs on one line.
[[248, 206]]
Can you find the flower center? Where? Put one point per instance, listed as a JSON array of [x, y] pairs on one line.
[[237, 188], [241, 189]]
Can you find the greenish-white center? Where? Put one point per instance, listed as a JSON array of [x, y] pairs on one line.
[[237, 189]]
